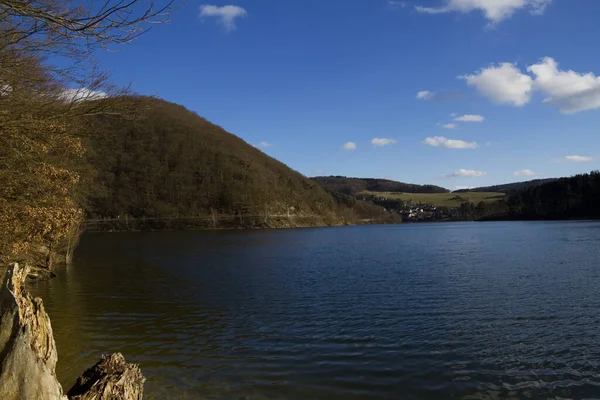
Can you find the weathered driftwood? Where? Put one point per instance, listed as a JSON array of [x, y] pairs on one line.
[[110, 379], [28, 354]]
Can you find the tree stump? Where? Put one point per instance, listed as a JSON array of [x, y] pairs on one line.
[[110, 379], [28, 354], [27, 348]]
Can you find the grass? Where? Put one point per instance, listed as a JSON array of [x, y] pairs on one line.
[[441, 199]]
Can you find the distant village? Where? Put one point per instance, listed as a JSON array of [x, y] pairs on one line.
[[413, 212]]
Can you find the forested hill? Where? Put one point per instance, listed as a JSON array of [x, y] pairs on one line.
[[352, 186], [169, 162], [509, 188], [565, 198]]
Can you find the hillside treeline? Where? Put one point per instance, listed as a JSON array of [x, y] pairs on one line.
[[565, 198], [168, 162], [576, 197], [353, 186], [508, 188]]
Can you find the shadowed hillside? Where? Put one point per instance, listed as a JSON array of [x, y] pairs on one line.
[[508, 188], [170, 163], [352, 186]]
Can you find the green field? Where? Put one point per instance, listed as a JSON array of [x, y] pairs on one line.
[[441, 199]]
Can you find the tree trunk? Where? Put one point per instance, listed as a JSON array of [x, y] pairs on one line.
[[27, 349], [28, 354]]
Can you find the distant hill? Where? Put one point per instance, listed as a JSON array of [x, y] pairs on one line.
[[171, 163], [565, 198], [352, 186], [509, 188]]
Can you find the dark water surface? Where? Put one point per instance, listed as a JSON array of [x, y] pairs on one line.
[[422, 311]]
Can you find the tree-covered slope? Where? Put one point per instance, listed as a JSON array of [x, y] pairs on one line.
[[351, 186], [573, 197], [169, 162], [509, 187]]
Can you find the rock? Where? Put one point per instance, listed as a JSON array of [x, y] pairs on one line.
[[28, 354], [110, 379], [27, 348]]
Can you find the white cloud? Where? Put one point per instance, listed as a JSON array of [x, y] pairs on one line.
[[503, 84], [463, 187], [470, 118], [262, 145], [440, 141], [349, 146], [449, 126], [494, 10], [524, 172], [454, 115], [378, 142], [424, 95], [227, 15], [570, 91], [465, 173], [81, 94], [578, 159]]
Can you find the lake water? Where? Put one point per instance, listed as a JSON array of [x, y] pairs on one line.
[[421, 311]]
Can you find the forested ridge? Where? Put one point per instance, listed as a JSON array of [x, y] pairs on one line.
[[575, 197], [352, 186], [168, 162], [565, 198], [508, 188]]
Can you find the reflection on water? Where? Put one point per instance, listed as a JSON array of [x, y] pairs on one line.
[[430, 311]]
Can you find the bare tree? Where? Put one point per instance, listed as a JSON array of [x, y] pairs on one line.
[[80, 24], [40, 106]]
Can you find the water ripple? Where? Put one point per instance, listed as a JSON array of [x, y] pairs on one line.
[[440, 311]]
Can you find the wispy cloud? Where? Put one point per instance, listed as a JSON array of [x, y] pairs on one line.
[[470, 118], [465, 173], [444, 95], [424, 95], [350, 146], [395, 4], [379, 142], [494, 10], [440, 141], [449, 126], [463, 187], [226, 15], [262, 145], [578, 159], [524, 172], [81, 94]]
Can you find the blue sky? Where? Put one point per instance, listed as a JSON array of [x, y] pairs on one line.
[[448, 92]]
